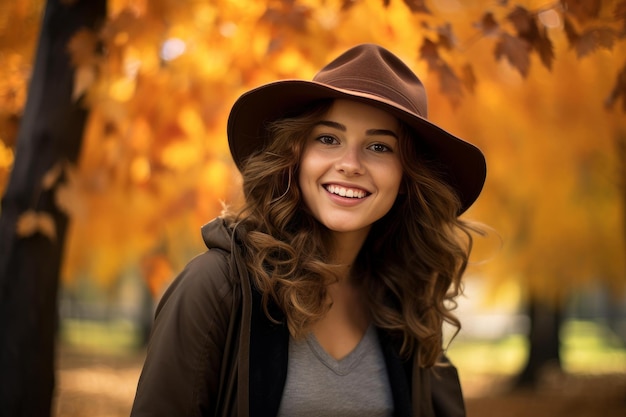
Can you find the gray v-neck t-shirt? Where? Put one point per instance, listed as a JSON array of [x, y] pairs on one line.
[[319, 385]]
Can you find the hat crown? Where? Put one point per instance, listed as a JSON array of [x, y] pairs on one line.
[[372, 70]]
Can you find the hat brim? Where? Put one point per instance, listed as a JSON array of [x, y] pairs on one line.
[[464, 164]]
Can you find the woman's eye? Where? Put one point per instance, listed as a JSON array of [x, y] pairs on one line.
[[380, 147], [327, 140]]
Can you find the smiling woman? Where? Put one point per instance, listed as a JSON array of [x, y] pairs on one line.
[[325, 294]]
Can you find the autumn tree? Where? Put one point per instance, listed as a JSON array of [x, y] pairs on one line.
[[577, 181], [158, 78]]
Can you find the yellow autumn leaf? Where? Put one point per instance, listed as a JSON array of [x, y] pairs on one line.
[[82, 47], [52, 176], [158, 273], [31, 222], [84, 77], [27, 224], [6, 156], [191, 122], [140, 170], [69, 197], [46, 225], [181, 155], [122, 89]]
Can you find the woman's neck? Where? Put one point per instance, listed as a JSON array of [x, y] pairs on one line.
[[345, 248]]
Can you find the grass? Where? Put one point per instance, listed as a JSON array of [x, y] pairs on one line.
[[587, 347], [114, 337], [592, 348]]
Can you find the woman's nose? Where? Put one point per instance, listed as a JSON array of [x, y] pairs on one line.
[[349, 162]]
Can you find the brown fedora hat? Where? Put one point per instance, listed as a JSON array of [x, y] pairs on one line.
[[371, 74]]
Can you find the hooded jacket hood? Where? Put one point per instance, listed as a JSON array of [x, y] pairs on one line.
[[217, 234]]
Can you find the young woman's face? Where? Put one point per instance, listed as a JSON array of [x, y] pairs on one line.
[[350, 171]]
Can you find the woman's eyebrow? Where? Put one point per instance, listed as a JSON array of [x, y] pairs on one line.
[[369, 132], [331, 124], [381, 132]]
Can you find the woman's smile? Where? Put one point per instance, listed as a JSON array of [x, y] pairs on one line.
[[348, 192]]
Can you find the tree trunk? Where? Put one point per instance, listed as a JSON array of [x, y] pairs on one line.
[[544, 342], [51, 130]]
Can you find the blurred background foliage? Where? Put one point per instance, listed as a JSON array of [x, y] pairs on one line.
[[538, 86]]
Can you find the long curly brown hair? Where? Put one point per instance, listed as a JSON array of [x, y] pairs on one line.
[[410, 265]]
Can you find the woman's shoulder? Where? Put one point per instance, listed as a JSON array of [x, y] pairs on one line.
[[212, 265], [211, 269], [205, 280]]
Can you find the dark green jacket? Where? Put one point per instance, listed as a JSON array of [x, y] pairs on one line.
[[213, 351]]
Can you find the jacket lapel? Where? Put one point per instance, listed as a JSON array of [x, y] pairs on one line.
[[400, 375], [269, 346]]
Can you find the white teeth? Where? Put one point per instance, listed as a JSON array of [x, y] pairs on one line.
[[346, 192]]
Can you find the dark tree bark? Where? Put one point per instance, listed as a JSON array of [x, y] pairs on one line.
[[51, 130], [544, 340]]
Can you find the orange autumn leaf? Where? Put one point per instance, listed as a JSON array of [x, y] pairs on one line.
[[158, 272], [31, 222], [82, 48]]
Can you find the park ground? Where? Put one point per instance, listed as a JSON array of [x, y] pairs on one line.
[[103, 385]]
